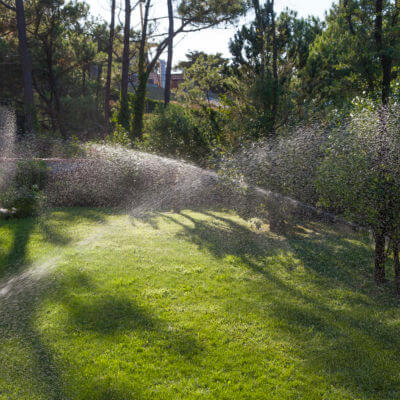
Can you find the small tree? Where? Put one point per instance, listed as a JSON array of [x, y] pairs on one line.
[[360, 177], [203, 79]]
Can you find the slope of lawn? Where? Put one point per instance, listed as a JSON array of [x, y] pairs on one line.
[[197, 305]]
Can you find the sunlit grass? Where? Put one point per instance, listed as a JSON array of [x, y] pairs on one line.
[[196, 305]]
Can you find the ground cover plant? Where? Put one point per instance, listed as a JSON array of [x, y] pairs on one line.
[[200, 304]]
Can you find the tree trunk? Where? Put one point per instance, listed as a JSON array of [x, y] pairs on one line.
[[385, 59], [84, 80], [274, 67], [386, 63], [167, 89], [140, 94], [260, 33], [98, 84], [124, 111], [396, 261], [107, 110], [380, 241], [140, 104], [55, 97], [26, 67]]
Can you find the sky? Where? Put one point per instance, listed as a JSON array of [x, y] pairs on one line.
[[214, 40]]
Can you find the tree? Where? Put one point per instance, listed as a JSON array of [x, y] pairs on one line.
[[143, 76], [202, 80], [193, 55], [284, 48], [385, 50], [167, 91], [62, 48], [275, 86], [357, 54], [26, 63], [109, 68], [124, 113], [260, 32]]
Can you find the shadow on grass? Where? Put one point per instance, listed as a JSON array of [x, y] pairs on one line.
[[15, 256], [109, 315], [49, 225], [337, 323], [146, 218]]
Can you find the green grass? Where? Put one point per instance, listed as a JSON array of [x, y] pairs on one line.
[[196, 305]]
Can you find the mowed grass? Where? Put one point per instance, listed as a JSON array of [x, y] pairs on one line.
[[197, 305]]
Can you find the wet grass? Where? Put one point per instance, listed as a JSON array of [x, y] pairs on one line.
[[196, 305]]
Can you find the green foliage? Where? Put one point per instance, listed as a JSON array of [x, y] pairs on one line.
[[24, 196], [204, 80], [153, 105], [345, 60], [252, 93], [84, 119], [119, 136], [178, 131], [211, 11], [31, 174], [45, 145], [193, 56], [21, 201]]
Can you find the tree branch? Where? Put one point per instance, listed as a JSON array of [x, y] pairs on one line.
[[7, 6]]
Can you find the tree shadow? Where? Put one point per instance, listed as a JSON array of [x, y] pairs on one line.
[[51, 223], [109, 314], [149, 218], [15, 257], [343, 260], [226, 237]]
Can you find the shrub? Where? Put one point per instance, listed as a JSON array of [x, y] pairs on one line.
[[191, 133], [119, 137], [176, 131], [25, 193], [287, 164]]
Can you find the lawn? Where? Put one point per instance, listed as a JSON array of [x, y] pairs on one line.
[[97, 305]]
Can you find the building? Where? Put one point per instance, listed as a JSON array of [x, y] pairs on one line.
[[176, 80], [158, 77]]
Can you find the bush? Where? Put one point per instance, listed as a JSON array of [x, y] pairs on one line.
[[22, 202], [180, 132], [25, 194], [119, 137]]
